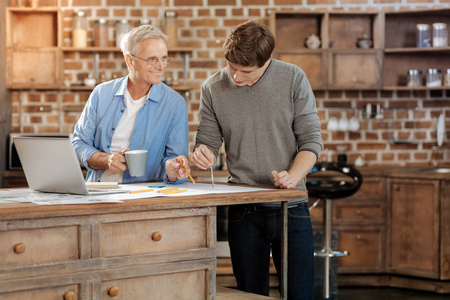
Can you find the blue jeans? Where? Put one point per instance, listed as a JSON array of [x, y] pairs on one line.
[[252, 233]]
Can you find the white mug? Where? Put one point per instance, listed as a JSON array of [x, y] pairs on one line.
[[332, 124], [343, 124], [354, 124], [136, 162]]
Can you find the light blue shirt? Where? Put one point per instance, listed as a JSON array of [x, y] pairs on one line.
[[161, 128]]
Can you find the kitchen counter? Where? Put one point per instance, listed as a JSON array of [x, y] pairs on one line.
[[164, 247]]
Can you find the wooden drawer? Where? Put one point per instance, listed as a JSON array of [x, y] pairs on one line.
[[153, 236], [358, 213], [365, 248], [51, 293], [43, 245], [189, 285]]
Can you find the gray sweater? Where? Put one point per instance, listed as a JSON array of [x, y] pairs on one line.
[[263, 126]]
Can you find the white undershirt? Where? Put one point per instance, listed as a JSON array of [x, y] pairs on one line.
[[122, 135]]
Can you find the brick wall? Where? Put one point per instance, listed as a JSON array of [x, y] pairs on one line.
[[203, 25]]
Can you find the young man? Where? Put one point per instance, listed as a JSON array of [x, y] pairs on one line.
[[135, 112], [265, 112]]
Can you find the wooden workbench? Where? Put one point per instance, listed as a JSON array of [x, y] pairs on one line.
[[155, 248]]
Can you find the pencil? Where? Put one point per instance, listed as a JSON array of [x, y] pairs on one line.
[[181, 162], [173, 192], [167, 190], [141, 191]]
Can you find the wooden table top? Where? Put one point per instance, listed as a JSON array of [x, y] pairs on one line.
[[12, 211]]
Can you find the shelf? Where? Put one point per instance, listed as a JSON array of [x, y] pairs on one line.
[[178, 87], [418, 88], [416, 50], [115, 49]]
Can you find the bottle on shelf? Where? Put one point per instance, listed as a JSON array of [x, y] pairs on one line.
[[101, 33], [171, 28], [122, 28], [79, 32], [434, 78], [423, 35], [440, 35]]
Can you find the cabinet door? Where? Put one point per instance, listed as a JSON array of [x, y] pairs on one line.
[[313, 63], [414, 227], [50, 293], [445, 227], [355, 69], [365, 247]]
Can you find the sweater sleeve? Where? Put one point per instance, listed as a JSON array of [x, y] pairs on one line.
[[209, 132], [306, 121]]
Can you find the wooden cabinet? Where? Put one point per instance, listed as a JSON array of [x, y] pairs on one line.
[[339, 64], [401, 53], [414, 228], [33, 39], [360, 223], [168, 254]]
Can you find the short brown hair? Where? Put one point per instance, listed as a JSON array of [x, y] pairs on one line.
[[249, 44]]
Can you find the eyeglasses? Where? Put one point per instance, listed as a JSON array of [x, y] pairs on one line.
[[154, 60]]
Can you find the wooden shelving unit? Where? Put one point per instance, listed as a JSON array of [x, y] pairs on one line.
[[36, 56], [340, 65], [33, 56]]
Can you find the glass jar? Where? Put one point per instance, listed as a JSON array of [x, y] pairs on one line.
[[414, 78], [423, 35], [440, 35], [122, 28], [170, 28], [101, 33], [434, 78], [447, 77], [79, 32]]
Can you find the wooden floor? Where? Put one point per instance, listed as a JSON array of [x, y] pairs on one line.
[[223, 293], [384, 293]]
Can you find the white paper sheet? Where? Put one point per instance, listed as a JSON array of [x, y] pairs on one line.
[[27, 195]]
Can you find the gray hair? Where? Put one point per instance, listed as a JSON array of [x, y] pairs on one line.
[[130, 41]]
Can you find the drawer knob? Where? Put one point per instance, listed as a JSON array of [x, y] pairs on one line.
[[113, 291], [156, 236], [19, 248], [69, 295]]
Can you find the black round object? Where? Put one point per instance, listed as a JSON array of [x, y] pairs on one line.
[[342, 158], [333, 189]]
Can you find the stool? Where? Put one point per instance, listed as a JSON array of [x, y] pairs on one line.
[[332, 187]]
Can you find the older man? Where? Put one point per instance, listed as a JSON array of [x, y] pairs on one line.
[[135, 112]]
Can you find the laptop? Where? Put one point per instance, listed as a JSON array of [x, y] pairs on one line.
[[51, 165]]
